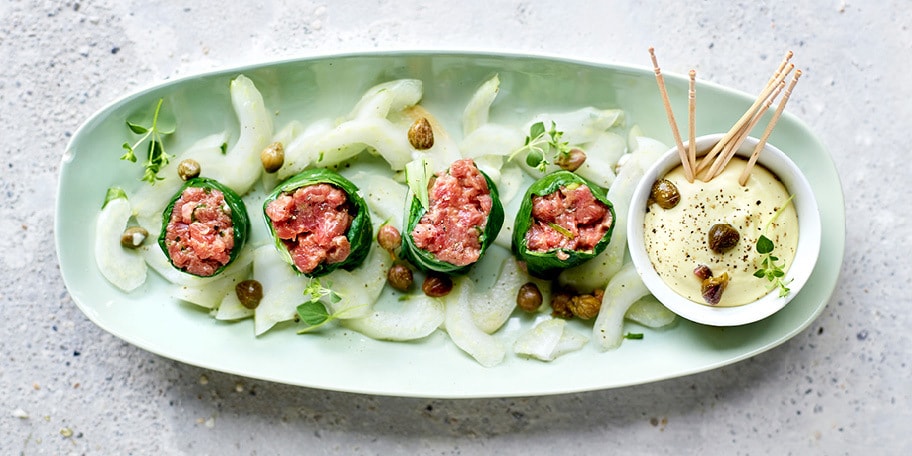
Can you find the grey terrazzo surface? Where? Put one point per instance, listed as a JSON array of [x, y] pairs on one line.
[[843, 386]]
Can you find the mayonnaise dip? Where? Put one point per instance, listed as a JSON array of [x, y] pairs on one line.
[[677, 238]]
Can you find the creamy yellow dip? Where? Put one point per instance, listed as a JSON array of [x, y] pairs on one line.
[[677, 238]]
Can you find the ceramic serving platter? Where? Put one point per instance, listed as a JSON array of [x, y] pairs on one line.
[[326, 86]]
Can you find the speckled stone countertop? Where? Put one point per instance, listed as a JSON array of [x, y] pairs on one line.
[[842, 386]]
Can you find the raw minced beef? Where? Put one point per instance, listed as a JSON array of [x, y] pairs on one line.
[[312, 222], [459, 205], [200, 233], [570, 218]]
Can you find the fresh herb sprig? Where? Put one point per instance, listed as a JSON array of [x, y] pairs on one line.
[[157, 158], [541, 143], [769, 268], [313, 312]]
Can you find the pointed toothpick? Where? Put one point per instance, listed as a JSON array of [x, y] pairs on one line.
[[769, 129], [688, 171]]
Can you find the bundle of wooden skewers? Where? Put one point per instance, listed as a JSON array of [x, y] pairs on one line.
[[713, 163]]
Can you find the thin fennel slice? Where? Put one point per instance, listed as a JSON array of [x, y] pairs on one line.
[[461, 327], [624, 289], [478, 108], [549, 339], [124, 268], [415, 318]]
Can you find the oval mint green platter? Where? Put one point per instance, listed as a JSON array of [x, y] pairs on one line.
[[327, 86]]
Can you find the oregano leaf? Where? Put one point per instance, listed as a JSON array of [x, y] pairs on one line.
[[136, 128], [537, 129], [764, 245], [313, 312]]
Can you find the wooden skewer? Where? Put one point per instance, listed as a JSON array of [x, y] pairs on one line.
[[692, 109], [739, 125], [732, 147], [688, 171], [769, 129], [771, 84]]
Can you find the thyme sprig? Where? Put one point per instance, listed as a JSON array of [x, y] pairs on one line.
[[313, 312], [769, 268], [540, 143], [156, 157]]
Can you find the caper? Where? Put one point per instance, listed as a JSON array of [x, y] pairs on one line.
[[399, 277], [529, 297], [421, 135], [133, 237], [188, 169], [560, 304], [713, 287], [249, 292], [586, 306], [437, 285], [723, 237], [389, 238], [702, 272], [665, 194], [572, 160], [273, 157]]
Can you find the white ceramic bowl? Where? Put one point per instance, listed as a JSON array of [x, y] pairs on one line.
[[799, 272]]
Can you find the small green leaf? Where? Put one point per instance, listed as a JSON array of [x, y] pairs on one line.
[[315, 289], [537, 129], [137, 128], [313, 313], [224, 148], [764, 245], [112, 194], [129, 154], [534, 158], [633, 336], [760, 273]]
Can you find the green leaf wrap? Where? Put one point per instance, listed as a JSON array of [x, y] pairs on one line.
[[426, 260], [359, 234], [547, 264], [239, 219]]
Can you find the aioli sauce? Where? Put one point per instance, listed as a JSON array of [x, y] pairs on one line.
[[677, 238]]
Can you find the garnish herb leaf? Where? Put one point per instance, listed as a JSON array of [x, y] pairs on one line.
[[633, 336], [769, 268], [313, 312], [136, 128], [112, 194], [156, 157], [764, 245], [537, 130], [542, 143], [534, 158], [316, 291]]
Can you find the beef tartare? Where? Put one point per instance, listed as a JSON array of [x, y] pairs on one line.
[[563, 221], [463, 217], [204, 227], [319, 222]]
